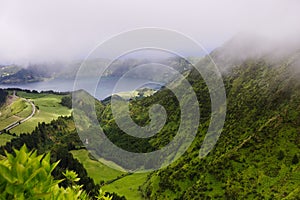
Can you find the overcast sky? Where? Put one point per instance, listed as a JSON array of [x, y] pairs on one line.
[[40, 30]]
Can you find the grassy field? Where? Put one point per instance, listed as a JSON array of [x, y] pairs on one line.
[[96, 170], [126, 186], [14, 110], [5, 122], [26, 111], [5, 138], [48, 109]]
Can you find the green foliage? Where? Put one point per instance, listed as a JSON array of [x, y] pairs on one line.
[[27, 175], [71, 177], [280, 155], [59, 137], [256, 155], [4, 138], [103, 196], [295, 159], [66, 101]]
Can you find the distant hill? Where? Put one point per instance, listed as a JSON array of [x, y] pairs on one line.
[[19, 75], [13, 74]]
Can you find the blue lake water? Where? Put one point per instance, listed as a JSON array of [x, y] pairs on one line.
[[105, 87]]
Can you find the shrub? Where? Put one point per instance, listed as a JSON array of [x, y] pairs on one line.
[[27, 175]]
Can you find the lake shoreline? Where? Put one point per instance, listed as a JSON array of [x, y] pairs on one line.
[[104, 89]]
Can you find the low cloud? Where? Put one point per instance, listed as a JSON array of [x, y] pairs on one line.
[[43, 31]]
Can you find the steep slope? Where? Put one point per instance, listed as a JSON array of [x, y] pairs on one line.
[[257, 154]]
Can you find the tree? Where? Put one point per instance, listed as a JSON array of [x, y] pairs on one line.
[[295, 159], [280, 155], [66, 101]]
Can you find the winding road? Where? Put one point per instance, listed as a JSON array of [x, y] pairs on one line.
[[17, 123], [32, 113]]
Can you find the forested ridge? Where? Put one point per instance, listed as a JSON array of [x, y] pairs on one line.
[[257, 155]]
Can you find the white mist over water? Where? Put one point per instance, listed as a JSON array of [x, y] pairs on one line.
[[105, 86]]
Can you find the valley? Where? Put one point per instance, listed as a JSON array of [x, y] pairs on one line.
[[256, 156], [145, 100]]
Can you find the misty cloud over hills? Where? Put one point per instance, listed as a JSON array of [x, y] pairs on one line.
[[36, 32]]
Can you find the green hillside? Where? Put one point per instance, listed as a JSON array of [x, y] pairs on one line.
[[96, 170], [256, 157], [49, 108], [257, 154], [16, 109]]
